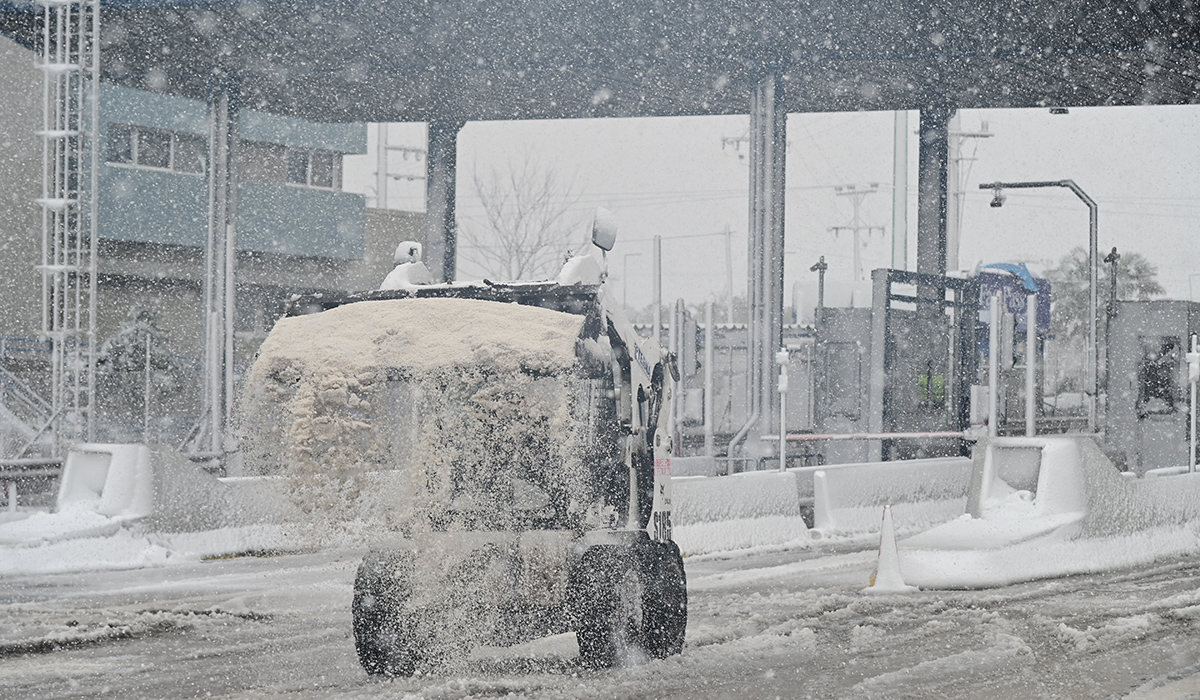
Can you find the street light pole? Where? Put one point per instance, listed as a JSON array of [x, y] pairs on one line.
[[1093, 274]]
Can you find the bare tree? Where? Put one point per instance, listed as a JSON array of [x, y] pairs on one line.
[[1137, 278], [526, 225]]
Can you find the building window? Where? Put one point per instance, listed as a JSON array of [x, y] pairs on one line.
[[120, 143], [297, 166], [181, 152], [312, 167], [262, 162], [156, 148], [190, 153], [321, 165]]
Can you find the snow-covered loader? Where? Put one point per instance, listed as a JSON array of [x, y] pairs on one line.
[[523, 426]]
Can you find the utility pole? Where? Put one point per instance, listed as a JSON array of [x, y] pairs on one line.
[[856, 193], [383, 172], [900, 191], [381, 165], [729, 274], [957, 178]]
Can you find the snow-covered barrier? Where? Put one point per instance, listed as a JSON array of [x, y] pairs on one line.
[[1052, 506], [921, 492], [110, 480], [739, 511], [696, 466], [105, 487]]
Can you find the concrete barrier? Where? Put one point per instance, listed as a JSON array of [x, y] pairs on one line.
[[1049, 506], [739, 511], [113, 480], [105, 487], [921, 492]]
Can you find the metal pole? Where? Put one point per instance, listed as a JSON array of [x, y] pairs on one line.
[[381, 166], [230, 274], [993, 361], [1031, 344], [781, 358], [673, 348], [441, 229], [819, 267], [811, 419], [1093, 305], [657, 264], [709, 342], [146, 394], [1193, 378], [728, 274], [900, 191], [1093, 277], [93, 224]]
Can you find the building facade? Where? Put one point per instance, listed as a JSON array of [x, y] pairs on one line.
[[297, 232]]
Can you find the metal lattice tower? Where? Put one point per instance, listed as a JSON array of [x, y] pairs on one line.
[[69, 60]]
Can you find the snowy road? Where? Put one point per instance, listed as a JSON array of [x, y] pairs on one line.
[[788, 623]]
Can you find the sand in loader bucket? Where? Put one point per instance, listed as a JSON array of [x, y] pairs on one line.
[[413, 414]]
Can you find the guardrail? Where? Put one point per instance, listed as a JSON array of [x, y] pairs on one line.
[[14, 470], [11, 346]]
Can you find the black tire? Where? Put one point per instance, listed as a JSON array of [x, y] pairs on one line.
[[629, 605], [384, 644], [665, 601], [606, 594]]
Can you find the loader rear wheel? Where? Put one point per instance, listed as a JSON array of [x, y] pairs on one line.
[[384, 644]]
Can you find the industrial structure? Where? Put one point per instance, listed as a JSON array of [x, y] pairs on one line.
[[138, 245], [446, 64]]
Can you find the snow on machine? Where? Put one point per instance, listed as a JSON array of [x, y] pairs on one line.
[[509, 433]]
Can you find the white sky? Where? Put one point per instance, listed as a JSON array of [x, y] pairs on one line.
[[674, 177]]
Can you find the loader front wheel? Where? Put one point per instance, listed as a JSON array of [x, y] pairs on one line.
[[608, 591], [631, 603], [665, 600], [382, 639]]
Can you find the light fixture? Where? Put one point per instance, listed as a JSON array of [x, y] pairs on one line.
[[997, 197]]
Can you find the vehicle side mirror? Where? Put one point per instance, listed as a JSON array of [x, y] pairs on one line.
[[604, 229]]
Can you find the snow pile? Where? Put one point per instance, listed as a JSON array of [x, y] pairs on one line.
[[739, 511], [25, 629], [462, 396], [1048, 556], [1111, 633], [1054, 506], [72, 523], [130, 546], [939, 676]]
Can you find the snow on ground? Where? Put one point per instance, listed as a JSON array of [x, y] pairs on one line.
[[780, 623], [128, 546], [1053, 556]]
